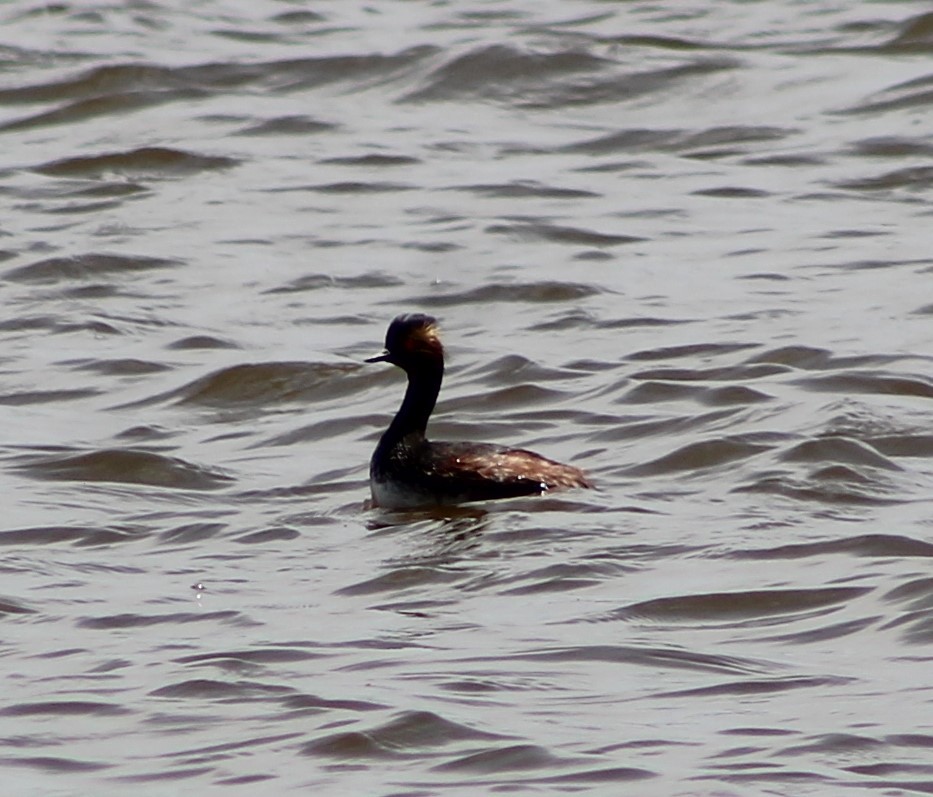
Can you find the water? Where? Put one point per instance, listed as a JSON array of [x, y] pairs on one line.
[[684, 246]]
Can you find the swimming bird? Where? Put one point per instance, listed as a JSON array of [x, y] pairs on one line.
[[408, 470]]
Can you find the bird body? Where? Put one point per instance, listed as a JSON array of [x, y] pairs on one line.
[[408, 470]]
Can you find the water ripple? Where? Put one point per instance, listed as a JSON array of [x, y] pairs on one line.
[[126, 466], [659, 243]]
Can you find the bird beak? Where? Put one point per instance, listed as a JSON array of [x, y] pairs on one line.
[[379, 358]]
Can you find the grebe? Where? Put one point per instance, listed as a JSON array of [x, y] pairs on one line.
[[408, 470]]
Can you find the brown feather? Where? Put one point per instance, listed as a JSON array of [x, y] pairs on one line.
[[482, 461]]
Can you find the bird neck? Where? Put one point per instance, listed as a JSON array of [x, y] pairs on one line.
[[424, 384]]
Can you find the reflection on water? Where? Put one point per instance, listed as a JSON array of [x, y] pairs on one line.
[[687, 250]]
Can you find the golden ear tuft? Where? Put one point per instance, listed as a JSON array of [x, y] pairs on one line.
[[414, 333], [432, 333], [423, 338]]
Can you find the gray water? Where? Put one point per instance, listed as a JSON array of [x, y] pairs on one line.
[[685, 246]]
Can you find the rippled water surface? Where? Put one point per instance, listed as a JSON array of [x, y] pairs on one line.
[[685, 246]]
